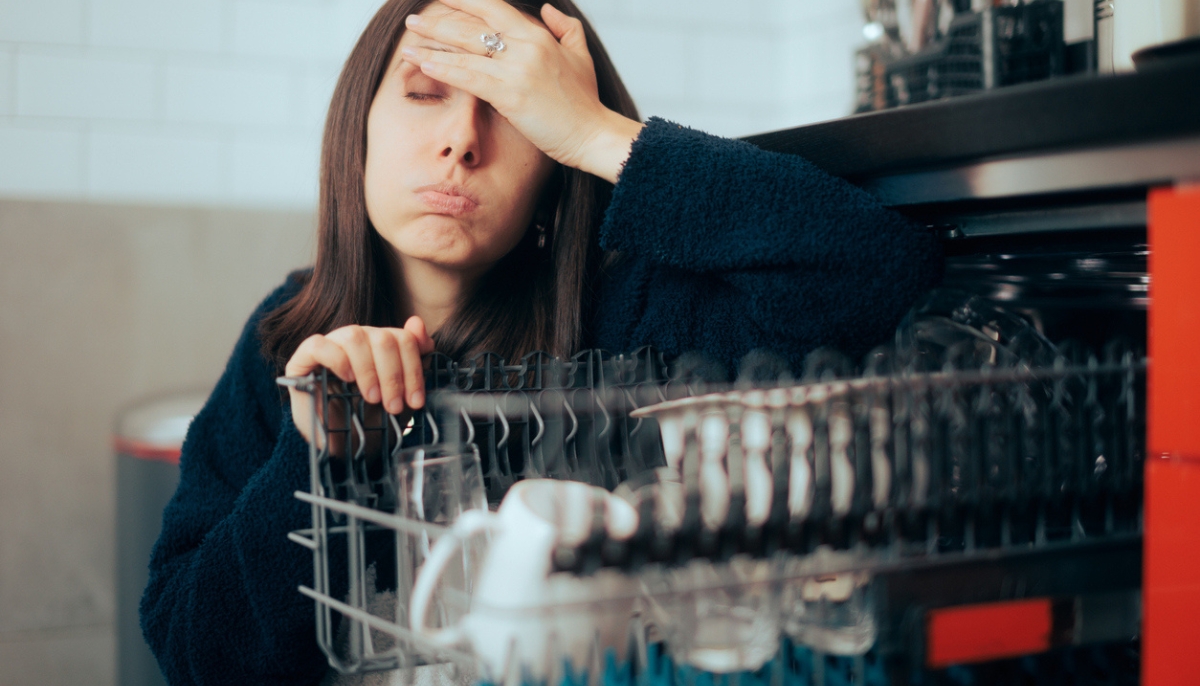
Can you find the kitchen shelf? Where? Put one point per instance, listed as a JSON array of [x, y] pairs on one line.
[[1063, 113]]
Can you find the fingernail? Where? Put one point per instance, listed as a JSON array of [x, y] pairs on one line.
[[395, 407], [408, 52], [416, 399], [373, 395], [413, 20], [431, 67]]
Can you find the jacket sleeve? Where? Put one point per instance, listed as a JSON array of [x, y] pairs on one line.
[[809, 258], [221, 605]]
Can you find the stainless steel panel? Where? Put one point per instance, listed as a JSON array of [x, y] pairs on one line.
[[1126, 166], [1082, 218]]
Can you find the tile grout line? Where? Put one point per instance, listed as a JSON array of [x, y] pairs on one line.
[[85, 18], [13, 72]]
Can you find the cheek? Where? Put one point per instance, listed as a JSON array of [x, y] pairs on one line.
[[536, 165], [527, 171], [382, 173]]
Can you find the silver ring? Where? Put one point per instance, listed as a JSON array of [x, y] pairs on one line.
[[492, 43]]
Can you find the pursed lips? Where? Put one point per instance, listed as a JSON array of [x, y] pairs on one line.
[[448, 198]]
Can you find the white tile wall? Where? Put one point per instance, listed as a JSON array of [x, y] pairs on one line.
[[42, 21], [221, 102], [36, 160], [289, 29], [85, 85], [753, 15], [170, 25], [200, 91], [8, 82], [315, 89], [632, 47], [167, 165], [742, 71], [282, 168], [733, 69]]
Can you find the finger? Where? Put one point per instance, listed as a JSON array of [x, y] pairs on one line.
[[416, 326], [318, 351], [456, 29], [414, 375], [356, 344], [497, 14], [566, 29], [478, 83], [388, 366], [555, 21], [465, 61]]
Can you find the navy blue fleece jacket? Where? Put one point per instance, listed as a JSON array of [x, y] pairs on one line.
[[723, 248], [728, 248]]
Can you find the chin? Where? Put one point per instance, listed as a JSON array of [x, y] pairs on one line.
[[457, 256], [441, 241], [433, 241]]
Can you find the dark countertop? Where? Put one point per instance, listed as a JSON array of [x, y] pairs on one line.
[[1070, 112]]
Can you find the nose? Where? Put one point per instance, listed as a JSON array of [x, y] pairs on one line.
[[463, 133]]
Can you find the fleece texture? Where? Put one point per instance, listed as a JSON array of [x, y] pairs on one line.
[[221, 605], [727, 248], [723, 248]]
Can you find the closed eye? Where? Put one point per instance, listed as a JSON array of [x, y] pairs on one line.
[[424, 97]]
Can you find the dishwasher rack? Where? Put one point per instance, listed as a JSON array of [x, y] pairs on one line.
[[979, 488]]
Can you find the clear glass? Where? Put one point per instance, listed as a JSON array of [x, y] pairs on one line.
[[720, 618], [436, 484], [831, 613]]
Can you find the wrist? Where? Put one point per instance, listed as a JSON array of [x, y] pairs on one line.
[[609, 146]]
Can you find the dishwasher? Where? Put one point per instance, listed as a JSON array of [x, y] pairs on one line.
[[975, 502]]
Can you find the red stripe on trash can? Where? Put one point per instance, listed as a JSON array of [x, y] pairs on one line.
[[978, 633], [147, 451]]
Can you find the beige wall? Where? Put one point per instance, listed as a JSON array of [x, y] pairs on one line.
[[101, 305]]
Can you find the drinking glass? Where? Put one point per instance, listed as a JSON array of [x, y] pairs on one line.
[[718, 617], [833, 613], [435, 485]]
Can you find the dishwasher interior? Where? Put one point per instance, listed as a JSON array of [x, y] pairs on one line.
[[992, 533], [965, 505]]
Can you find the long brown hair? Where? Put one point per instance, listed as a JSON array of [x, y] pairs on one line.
[[532, 299]]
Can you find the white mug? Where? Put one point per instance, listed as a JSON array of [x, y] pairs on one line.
[[520, 610]]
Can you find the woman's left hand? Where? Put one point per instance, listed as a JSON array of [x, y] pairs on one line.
[[543, 82]]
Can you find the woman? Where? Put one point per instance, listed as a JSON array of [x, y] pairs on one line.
[[486, 185]]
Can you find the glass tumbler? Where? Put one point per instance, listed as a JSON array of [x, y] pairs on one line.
[[435, 484], [720, 617], [832, 613]]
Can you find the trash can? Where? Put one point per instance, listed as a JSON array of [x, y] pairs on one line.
[[147, 443]]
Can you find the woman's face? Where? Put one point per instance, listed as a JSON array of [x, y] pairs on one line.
[[447, 180]]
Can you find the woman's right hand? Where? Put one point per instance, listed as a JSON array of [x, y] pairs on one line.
[[544, 83], [384, 362]]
